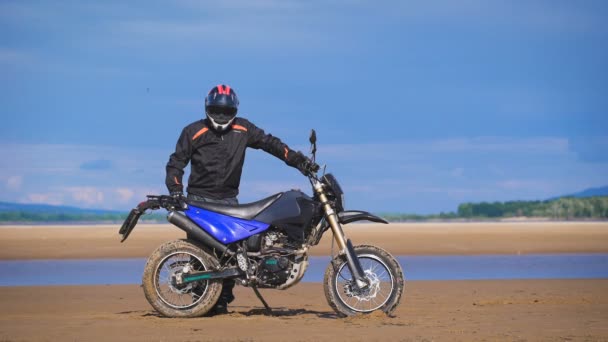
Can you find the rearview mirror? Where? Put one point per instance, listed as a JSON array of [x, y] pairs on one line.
[[313, 137], [313, 143]]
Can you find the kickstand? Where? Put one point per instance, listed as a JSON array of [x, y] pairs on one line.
[[257, 293]]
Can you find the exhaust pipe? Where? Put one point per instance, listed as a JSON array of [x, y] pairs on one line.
[[195, 232]]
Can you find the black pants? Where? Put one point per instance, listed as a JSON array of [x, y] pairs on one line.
[[226, 296]]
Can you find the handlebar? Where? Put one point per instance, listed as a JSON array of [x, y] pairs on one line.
[[155, 202]]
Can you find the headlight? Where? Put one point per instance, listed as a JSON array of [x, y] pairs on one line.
[[333, 184]]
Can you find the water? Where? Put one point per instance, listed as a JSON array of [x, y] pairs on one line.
[[129, 271]]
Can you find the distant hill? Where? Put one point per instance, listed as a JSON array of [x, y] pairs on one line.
[[51, 209], [591, 192], [45, 213]]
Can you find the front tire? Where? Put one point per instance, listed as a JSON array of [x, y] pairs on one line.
[[191, 300], [382, 271]]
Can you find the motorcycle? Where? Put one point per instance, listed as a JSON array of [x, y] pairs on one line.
[[265, 244]]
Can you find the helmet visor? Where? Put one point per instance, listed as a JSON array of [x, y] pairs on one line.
[[221, 115]]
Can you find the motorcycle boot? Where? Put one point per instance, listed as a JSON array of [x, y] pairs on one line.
[[226, 297]]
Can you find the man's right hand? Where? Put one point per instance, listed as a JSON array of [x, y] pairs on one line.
[[180, 198], [177, 194]]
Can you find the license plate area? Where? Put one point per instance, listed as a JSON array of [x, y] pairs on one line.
[[129, 224]]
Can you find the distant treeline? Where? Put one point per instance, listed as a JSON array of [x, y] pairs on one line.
[[24, 216], [565, 208]]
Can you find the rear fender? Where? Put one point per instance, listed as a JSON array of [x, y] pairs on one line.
[[152, 203], [129, 224]]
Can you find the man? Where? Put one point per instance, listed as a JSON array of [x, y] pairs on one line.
[[215, 147]]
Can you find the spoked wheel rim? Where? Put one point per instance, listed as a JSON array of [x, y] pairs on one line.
[[179, 297], [378, 293]]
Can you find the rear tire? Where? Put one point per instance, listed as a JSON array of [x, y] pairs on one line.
[[380, 268], [194, 299]]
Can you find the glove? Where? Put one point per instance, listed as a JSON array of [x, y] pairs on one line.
[[307, 166], [310, 166], [302, 163], [179, 198], [177, 194]]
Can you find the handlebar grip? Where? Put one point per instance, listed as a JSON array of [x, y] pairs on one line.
[[149, 204]]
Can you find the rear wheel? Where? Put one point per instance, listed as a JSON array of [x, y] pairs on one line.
[[383, 274], [172, 300]]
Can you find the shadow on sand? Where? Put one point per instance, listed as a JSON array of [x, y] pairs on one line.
[[285, 312], [276, 312]]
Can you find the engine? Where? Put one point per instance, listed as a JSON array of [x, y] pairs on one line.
[[276, 256], [272, 242], [274, 270]]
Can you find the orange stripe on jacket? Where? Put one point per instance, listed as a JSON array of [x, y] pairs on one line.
[[286, 151], [239, 127], [176, 181], [199, 133]]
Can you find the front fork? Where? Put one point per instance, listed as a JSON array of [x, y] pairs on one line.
[[346, 247]]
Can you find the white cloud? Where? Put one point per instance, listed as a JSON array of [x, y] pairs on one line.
[[440, 170], [64, 158], [54, 175], [86, 195], [91, 196], [404, 150], [124, 194], [501, 144], [14, 183], [44, 198]]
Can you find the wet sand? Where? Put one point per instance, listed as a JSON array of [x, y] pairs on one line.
[[513, 310]]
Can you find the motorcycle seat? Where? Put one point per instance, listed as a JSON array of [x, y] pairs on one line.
[[245, 211]]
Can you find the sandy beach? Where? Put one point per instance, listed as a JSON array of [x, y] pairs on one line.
[[73, 242], [490, 310], [530, 310]]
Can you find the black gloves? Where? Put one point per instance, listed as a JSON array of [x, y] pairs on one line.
[[179, 198], [302, 163], [308, 166], [177, 194]]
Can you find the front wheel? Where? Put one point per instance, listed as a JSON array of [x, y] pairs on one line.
[[173, 300], [383, 274]]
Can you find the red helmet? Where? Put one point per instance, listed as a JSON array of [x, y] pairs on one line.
[[221, 106]]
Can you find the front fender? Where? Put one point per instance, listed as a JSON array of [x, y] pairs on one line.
[[349, 216]]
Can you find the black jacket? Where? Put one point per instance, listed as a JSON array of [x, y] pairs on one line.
[[217, 158]]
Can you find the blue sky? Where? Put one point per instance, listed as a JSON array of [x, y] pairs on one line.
[[418, 105]]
